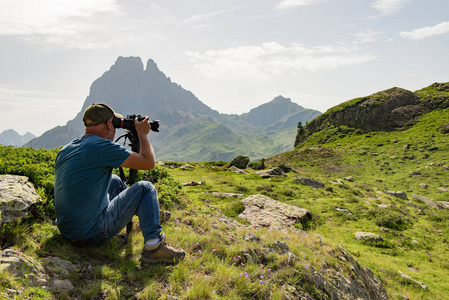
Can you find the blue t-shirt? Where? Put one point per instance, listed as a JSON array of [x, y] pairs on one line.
[[83, 171]]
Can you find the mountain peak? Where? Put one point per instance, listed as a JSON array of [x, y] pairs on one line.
[[128, 64]]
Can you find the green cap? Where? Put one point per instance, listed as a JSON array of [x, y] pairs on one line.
[[99, 113]]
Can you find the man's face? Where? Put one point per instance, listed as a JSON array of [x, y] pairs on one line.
[[111, 130]]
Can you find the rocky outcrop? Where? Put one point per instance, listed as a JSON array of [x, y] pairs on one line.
[[310, 182], [240, 162], [389, 110], [273, 172], [262, 211], [17, 197], [360, 284], [51, 273]]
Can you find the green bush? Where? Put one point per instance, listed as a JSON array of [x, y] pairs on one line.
[[169, 189], [38, 166], [391, 218]]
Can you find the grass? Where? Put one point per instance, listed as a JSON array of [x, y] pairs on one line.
[[221, 264]]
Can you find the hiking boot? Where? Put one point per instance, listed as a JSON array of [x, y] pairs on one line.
[[164, 216], [162, 253]]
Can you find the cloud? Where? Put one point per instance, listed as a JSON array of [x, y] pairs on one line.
[[425, 32], [28, 110], [389, 7], [368, 37], [205, 17], [288, 4], [54, 21], [262, 63]]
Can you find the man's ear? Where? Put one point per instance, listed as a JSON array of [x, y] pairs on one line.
[[109, 124]]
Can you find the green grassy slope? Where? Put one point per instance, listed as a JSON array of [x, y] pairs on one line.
[[415, 236]]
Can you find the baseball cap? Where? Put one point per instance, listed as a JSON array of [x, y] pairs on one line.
[[99, 113]]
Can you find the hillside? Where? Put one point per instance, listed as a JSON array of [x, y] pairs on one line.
[[190, 130], [391, 185], [389, 110], [12, 138]]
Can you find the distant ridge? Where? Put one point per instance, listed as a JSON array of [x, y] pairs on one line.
[[11, 138], [389, 110], [190, 130]]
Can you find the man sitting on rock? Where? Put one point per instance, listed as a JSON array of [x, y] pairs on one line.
[[92, 205]]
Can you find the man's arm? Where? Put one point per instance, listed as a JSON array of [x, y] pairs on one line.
[[145, 160]]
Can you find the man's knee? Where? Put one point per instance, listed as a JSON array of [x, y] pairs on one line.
[[146, 186]]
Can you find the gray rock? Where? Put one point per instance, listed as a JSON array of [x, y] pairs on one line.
[[343, 210], [271, 173], [428, 201], [187, 167], [368, 236], [443, 204], [237, 170], [240, 162], [227, 195], [262, 211], [423, 185], [63, 285], [397, 194], [360, 284], [17, 196], [21, 265], [59, 266], [310, 182]]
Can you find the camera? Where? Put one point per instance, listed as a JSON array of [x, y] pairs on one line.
[[128, 123]]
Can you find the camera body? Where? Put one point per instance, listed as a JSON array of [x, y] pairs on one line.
[[128, 123]]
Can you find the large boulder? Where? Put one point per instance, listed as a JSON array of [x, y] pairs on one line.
[[17, 197], [262, 211], [240, 162]]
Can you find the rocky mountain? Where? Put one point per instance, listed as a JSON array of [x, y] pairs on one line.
[[11, 138], [389, 110], [189, 129]]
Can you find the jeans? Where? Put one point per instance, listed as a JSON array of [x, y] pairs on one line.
[[125, 202]]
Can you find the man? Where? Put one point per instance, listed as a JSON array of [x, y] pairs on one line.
[[92, 205]]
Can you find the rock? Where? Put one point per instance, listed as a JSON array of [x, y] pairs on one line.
[[339, 181], [227, 195], [237, 170], [58, 266], [21, 265], [426, 200], [310, 182], [187, 167], [444, 128], [360, 284], [368, 236], [349, 178], [443, 204], [397, 194], [17, 197], [194, 183], [442, 189], [262, 211], [411, 280], [423, 185], [271, 173], [240, 162], [343, 210], [63, 285]]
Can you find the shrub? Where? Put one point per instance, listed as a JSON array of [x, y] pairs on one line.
[[169, 189], [391, 218]]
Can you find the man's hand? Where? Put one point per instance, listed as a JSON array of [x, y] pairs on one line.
[[145, 160], [142, 127]]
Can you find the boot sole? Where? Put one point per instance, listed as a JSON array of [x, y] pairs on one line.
[[158, 261]]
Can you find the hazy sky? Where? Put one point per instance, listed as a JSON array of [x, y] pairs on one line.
[[233, 55]]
